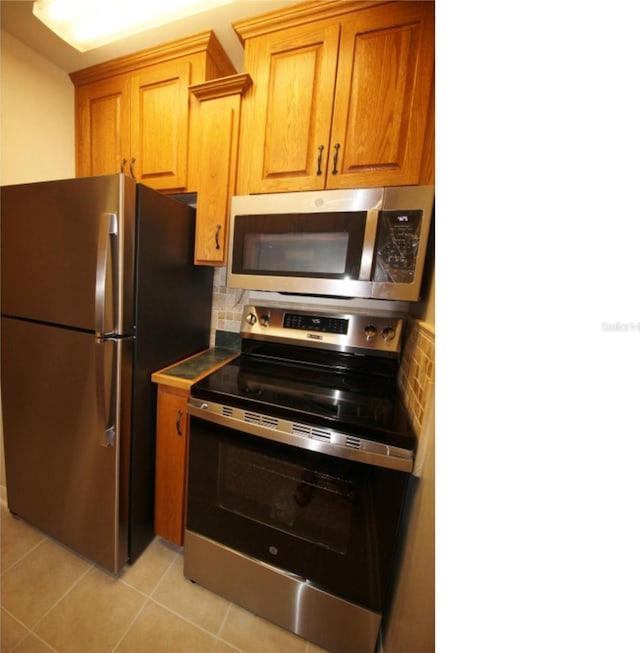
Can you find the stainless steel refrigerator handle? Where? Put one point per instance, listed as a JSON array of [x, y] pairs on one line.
[[108, 227], [106, 418]]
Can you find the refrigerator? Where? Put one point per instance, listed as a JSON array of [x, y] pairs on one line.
[[98, 290]]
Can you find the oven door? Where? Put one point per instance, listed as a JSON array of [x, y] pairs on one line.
[[331, 521]]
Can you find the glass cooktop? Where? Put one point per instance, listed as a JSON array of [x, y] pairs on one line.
[[368, 405]]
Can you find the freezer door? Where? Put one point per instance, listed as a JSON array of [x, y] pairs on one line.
[[65, 435], [67, 251]]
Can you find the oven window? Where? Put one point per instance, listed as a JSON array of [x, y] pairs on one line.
[[309, 504]]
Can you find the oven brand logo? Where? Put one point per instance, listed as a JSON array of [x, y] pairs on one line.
[[314, 336]]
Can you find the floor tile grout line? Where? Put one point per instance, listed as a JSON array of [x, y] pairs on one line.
[[233, 646], [60, 598], [44, 642], [31, 629], [146, 600], [24, 555], [224, 619], [26, 628], [215, 635], [155, 587], [185, 619]]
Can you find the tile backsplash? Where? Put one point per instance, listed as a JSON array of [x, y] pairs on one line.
[[226, 311], [417, 373]]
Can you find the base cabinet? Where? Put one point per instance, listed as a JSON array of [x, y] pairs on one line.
[[172, 433]]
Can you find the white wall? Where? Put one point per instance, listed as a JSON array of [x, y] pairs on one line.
[[409, 626], [37, 116]]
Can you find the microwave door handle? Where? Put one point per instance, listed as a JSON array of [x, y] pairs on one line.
[[108, 227], [368, 245]]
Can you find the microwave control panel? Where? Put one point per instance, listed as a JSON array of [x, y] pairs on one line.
[[397, 243]]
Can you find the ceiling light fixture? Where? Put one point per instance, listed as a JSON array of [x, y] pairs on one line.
[[88, 24]]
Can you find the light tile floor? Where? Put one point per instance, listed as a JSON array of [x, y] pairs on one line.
[[55, 600]]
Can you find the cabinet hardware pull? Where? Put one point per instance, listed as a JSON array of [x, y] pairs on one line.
[[122, 165], [218, 227], [178, 422], [133, 160], [319, 172], [335, 160]]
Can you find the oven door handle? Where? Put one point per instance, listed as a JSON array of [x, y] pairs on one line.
[[303, 436]]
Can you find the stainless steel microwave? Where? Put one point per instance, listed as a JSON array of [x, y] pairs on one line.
[[365, 242]]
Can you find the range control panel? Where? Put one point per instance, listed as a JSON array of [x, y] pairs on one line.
[[349, 332]]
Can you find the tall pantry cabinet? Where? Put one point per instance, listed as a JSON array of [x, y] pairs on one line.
[[341, 97], [133, 113]]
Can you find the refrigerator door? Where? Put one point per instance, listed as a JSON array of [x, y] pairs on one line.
[[68, 252], [61, 408]]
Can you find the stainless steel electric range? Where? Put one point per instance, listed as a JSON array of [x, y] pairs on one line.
[[299, 455]]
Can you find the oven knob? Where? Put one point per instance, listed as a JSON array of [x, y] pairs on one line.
[[265, 319], [370, 332], [251, 318], [388, 333]]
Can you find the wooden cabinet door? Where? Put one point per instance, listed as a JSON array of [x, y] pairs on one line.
[[382, 96], [160, 125], [102, 126], [172, 431], [290, 107], [219, 134]]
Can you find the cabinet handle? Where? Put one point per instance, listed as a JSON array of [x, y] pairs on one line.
[[133, 160], [335, 160], [319, 172], [218, 227], [178, 422], [122, 165]]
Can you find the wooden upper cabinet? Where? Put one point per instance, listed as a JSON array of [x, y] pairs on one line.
[[133, 113], [341, 97], [217, 117], [160, 125], [382, 96], [102, 126], [291, 110]]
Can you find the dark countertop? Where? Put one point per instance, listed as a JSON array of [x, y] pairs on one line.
[[185, 373]]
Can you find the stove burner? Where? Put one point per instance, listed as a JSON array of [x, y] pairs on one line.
[[334, 402]]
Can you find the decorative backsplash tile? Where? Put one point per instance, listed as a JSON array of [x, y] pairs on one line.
[[417, 372], [226, 311]]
